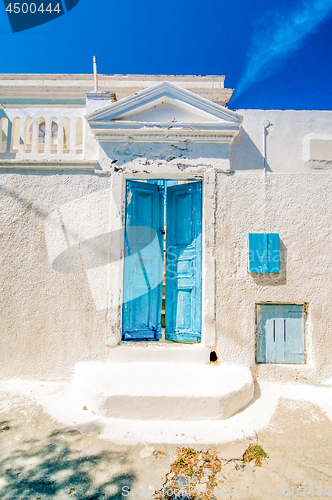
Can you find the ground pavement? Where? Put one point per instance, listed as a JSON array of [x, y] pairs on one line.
[[47, 453]]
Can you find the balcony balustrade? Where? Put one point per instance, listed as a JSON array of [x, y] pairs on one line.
[[42, 134]]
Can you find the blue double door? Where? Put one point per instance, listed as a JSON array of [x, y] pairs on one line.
[[150, 266]]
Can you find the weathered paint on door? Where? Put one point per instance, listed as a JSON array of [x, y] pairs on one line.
[[184, 263], [166, 183], [280, 333], [143, 264]]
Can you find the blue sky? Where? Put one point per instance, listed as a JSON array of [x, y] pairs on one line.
[[278, 55]]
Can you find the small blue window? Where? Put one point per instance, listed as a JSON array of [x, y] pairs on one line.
[[280, 333], [263, 253]]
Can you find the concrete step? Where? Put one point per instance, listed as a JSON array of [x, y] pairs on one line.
[[169, 391], [159, 352]]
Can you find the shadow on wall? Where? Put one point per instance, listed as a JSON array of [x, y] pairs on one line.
[[53, 468], [28, 204], [78, 240], [95, 252], [25, 203], [245, 155], [274, 279]]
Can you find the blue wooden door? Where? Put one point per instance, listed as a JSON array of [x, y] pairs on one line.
[[280, 333], [143, 264], [183, 308], [166, 183]]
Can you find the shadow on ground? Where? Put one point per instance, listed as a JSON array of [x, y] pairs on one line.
[[54, 468]]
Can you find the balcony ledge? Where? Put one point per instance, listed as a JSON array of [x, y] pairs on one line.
[[49, 164]]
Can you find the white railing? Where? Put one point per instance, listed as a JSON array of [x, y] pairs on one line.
[[37, 134]]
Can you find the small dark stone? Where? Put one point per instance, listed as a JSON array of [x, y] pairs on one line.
[[182, 480]]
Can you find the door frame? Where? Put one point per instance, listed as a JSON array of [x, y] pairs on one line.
[[208, 178]]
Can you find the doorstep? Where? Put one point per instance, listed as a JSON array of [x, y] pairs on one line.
[[156, 352], [168, 391]]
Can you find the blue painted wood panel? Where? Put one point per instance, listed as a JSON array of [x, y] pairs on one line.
[[258, 259], [263, 253], [280, 333], [143, 263], [183, 308], [273, 252], [166, 183]]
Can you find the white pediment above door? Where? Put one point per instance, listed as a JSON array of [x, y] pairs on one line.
[[166, 110], [162, 113]]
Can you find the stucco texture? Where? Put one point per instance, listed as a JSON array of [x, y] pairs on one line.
[[48, 318], [298, 207]]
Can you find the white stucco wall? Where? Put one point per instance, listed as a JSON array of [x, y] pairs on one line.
[[298, 207], [285, 140], [49, 318], [59, 303]]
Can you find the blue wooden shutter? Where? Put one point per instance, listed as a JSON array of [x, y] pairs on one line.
[[263, 255], [258, 257], [273, 252], [143, 264], [280, 334], [183, 309]]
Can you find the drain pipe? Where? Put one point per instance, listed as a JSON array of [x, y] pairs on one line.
[[266, 125], [95, 74]]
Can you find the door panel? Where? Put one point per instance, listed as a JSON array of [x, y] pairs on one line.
[[184, 263], [143, 264], [166, 183]]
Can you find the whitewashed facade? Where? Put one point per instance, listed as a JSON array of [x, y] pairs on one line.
[[66, 153]]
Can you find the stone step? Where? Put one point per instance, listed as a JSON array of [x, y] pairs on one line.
[[169, 391]]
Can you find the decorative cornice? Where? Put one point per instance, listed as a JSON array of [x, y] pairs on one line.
[[122, 125], [164, 136], [62, 89]]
